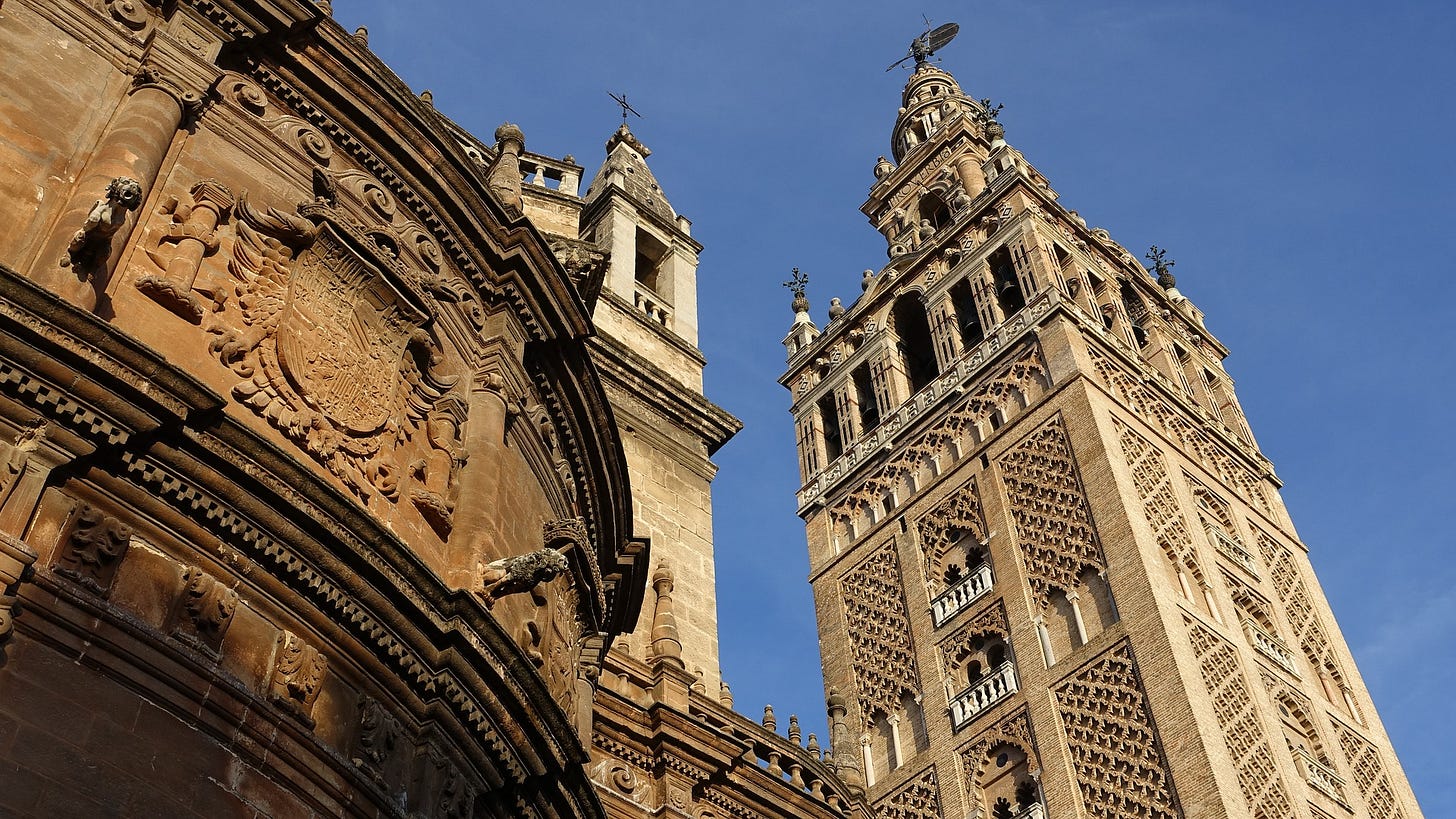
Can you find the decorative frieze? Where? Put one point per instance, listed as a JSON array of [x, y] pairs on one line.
[[298, 673]]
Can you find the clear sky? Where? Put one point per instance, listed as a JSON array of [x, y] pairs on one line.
[[1296, 158]]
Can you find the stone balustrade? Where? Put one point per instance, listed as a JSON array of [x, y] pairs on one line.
[[652, 305], [983, 694], [1231, 548], [1320, 776], [560, 175], [958, 597], [1271, 647], [806, 769]]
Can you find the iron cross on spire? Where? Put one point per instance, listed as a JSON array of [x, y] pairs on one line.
[[622, 101]]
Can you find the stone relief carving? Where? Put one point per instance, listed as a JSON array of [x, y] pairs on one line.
[[380, 745], [520, 573], [1160, 505], [192, 236], [93, 548], [298, 673], [205, 609], [917, 799], [438, 472], [329, 336], [91, 243]]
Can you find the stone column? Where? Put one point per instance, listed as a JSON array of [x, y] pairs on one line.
[[166, 91], [972, 175]]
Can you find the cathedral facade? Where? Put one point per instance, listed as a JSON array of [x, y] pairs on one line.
[[1052, 570]]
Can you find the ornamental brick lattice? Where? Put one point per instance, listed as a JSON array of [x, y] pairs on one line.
[[879, 628], [1053, 522], [1115, 750], [1238, 716]]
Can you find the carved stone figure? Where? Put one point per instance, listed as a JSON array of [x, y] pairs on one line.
[[92, 242], [520, 573], [192, 233], [439, 471]]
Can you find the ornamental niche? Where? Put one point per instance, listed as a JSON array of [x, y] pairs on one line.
[[327, 329]]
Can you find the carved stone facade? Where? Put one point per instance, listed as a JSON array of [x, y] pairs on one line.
[[281, 407]]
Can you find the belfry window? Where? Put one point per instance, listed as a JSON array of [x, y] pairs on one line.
[[917, 354], [1007, 288], [650, 255], [864, 396], [967, 319], [934, 210], [829, 417]]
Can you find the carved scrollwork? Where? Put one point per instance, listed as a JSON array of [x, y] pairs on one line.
[[205, 609], [93, 548], [298, 673]]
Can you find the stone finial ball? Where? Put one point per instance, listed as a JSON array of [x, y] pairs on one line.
[[510, 132]]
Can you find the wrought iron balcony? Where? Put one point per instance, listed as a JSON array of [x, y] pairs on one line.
[[982, 694], [1271, 647], [958, 597]]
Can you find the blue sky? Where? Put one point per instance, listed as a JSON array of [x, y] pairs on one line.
[[1294, 157]]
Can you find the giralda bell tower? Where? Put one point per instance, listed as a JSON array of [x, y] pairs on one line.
[[1053, 573]]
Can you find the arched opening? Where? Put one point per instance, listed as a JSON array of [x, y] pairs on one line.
[[934, 210], [1003, 282], [829, 419], [864, 396], [1137, 311], [912, 327], [968, 320], [1005, 786], [650, 255]]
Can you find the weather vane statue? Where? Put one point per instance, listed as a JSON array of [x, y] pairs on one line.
[[1161, 264], [796, 286], [929, 42]]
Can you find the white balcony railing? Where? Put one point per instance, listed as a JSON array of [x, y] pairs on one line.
[[958, 597], [983, 694], [652, 305], [1032, 811], [1271, 647], [1232, 549], [1320, 776]]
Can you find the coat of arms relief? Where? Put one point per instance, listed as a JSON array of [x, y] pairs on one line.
[[329, 329]]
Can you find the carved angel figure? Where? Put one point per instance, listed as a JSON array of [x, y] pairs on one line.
[[520, 573], [124, 194]]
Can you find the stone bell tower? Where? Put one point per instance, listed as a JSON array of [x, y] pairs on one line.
[[1053, 573], [646, 349]]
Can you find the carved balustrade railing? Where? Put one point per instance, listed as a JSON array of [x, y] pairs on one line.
[[958, 378], [1231, 548], [983, 694], [797, 766], [1320, 776], [552, 174], [1033, 811], [652, 305], [1271, 647], [955, 599]]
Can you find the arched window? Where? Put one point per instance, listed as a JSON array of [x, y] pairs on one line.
[[934, 210], [912, 326], [1004, 282], [829, 417], [968, 320]]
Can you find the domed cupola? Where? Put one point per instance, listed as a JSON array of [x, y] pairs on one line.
[[931, 99]]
